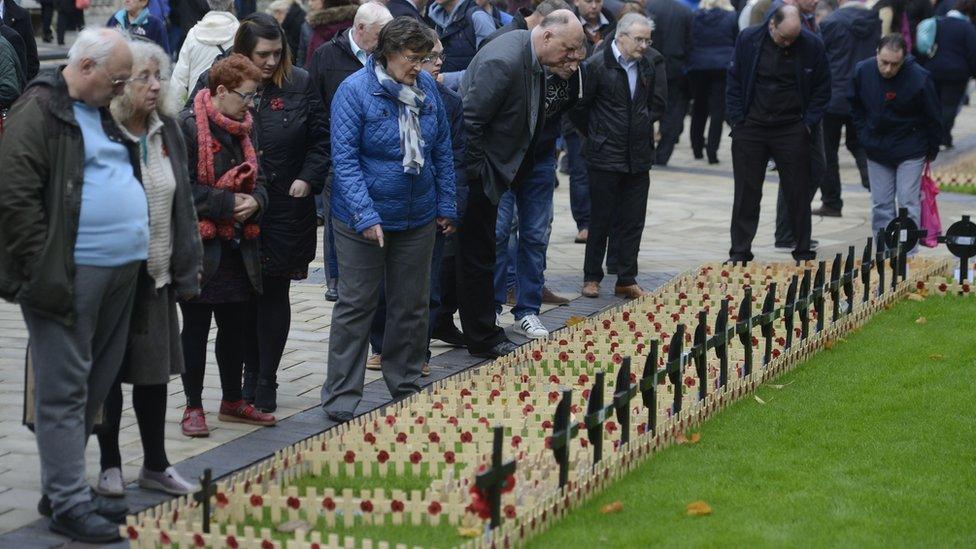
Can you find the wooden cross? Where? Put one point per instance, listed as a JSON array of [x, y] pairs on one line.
[[563, 434], [596, 415], [207, 490], [769, 315], [622, 395], [789, 310], [743, 328], [648, 386], [492, 480]]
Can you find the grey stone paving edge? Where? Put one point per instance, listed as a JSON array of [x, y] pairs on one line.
[[257, 445]]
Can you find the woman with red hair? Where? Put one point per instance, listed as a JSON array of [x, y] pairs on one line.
[[229, 195]]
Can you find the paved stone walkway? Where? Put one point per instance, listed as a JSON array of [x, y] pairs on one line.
[[687, 224]]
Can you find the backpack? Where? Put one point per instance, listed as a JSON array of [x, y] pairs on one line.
[[925, 37]]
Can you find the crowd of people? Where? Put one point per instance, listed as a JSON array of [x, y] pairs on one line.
[[172, 174]]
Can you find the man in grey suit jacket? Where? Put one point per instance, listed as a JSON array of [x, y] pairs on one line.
[[503, 91]]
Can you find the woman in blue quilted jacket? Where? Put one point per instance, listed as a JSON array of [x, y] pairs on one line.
[[392, 190]]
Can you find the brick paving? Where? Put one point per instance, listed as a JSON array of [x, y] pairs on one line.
[[687, 224]]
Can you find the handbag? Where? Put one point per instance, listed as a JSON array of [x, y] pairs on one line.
[[930, 209]]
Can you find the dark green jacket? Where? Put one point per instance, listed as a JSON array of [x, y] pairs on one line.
[[11, 74]]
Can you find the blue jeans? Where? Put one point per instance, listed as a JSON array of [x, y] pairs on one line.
[[378, 326], [532, 198], [579, 184]]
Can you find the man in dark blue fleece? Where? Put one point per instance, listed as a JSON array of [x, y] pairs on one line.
[[897, 116]]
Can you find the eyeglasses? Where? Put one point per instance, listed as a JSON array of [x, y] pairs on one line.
[[414, 60], [144, 79], [640, 40], [116, 82], [247, 97]]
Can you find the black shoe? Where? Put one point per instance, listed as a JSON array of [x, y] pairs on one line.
[[814, 244], [499, 350], [249, 386], [339, 417], [48, 38], [265, 397], [712, 159], [83, 523], [826, 211], [332, 290], [698, 155], [111, 509], [447, 332]]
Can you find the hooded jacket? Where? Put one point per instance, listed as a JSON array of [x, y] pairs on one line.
[[145, 25], [850, 35], [897, 118], [325, 25], [713, 35], [955, 49], [212, 36]]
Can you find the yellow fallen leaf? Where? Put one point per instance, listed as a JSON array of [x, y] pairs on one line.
[[921, 320], [759, 400], [694, 438], [829, 344], [574, 320], [936, 357], [916, 297], [698, 509], [469, 531], [614, 507]]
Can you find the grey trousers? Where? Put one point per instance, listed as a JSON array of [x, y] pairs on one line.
[[403, 264], [74, 368], [902, 183]]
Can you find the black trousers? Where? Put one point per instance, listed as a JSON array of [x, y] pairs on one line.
[[708, 93], [818, 166], [619, 200], [266, 331], [476, 272], [47, 16], [229, 348], [832, 126], [449, 287], [673, 121], [149, 404], [69, 18], [752, 147], [950, 93]]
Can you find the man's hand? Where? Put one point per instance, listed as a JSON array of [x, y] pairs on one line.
[[374, 233], [299, 189], [445, 225], [244, 207]]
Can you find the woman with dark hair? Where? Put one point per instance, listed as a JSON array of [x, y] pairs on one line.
[[230, 198], [392, 189], [289, 123]]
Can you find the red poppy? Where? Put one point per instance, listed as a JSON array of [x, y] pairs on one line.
[[164, 538], [390, 420], [510, 511], [466, 437], [536, 355], [231, 542], [294, 502], [132, 532], [366, 506], [890, 96], [434, 508], [350, 456], [396, 506], [383, 456], [419, 420], [265, 544], [524, 395], [449, 457], [516, 440], [256, 500], [416, 457], [198, 541], [328, 504], [433, 437], [369, 438], [277, 104], [401, 438]]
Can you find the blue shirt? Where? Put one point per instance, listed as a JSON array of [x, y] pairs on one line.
[[113, 228], [629, 65]]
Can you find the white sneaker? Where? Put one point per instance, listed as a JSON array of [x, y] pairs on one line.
[[110, 483], [531, 327], [169, 481]]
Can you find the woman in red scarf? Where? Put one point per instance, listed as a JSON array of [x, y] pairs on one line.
[[229, 196]]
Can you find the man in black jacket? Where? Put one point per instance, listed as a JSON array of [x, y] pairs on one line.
[[776, 91], [850, 35], [624, 93], [672, 37], [18, 19], [332, 63]]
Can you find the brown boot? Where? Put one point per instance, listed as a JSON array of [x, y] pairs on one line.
[[591, 289], [552, 299], [632, 291], [375, 362]]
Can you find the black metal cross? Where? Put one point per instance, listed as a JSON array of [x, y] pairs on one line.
[[699, 352], [743, 328], [903, 232], [818, 295], [492, 480], [596, 415], [769, 315], [675, 366], [960, 239], [866, 271], [789, 310], [648, 386], [623, 393], [848, 279], [803, 305], [720, 341], [207, 490], [563, 434], [834, 288]]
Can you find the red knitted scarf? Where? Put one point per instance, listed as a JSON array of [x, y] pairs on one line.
[[239, 179]]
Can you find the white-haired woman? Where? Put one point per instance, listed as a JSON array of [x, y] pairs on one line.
[[713, 33], [172, 271]]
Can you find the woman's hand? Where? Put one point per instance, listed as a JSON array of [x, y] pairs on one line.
[[446, 227], [299, 189], [374, 233], [244, 207]]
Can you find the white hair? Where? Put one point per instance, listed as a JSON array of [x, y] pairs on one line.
[[96, 44], [630, 20], [144, 51], [281, 6], [372, 13]]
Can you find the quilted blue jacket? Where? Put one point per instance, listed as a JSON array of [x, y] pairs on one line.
[[369, 185]]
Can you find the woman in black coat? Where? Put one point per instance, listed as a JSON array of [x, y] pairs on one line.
[[294, 152]]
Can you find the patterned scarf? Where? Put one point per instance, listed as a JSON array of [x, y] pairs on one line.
[[409, 101], [205, 113]]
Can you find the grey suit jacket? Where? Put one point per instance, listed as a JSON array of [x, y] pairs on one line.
[[502, 93]]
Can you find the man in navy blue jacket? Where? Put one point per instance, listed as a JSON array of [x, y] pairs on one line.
[[897, 115], [777, 88]]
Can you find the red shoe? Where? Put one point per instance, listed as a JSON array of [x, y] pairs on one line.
[[242, 412], [194, 424]]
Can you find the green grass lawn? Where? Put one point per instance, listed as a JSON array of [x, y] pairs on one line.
[[961, 189], [872, 443]]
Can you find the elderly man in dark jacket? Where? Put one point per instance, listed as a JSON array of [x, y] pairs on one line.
[[850, 36], [672, 37], [73, 233], [18, 19], [896, 112], [776, 91], [625, 92], [504, 112]]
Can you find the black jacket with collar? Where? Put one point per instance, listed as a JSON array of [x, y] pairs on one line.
[[332, 63], [618, 128], [18, 19]]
